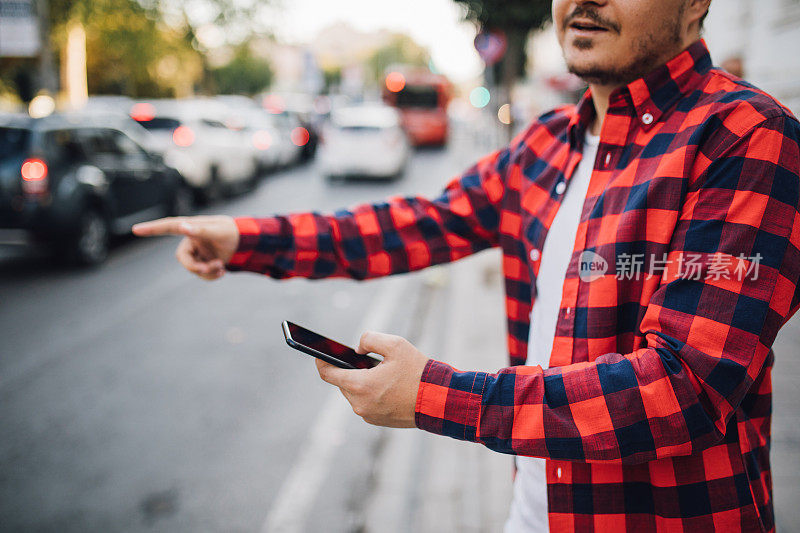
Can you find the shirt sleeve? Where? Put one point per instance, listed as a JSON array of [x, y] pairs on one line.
[[368, 241], [707, 339]]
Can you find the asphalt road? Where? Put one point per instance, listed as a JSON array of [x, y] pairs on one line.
[[134, 397]]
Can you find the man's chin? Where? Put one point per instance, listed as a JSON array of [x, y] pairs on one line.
[[593, 73]]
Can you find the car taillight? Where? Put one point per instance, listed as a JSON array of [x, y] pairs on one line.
[[143, 112], [262, 140], [183, 136], [34, 176], [300, 136]]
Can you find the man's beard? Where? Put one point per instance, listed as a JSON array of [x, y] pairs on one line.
[[647, 55]]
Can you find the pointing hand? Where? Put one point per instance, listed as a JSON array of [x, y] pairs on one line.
[[209, 241]]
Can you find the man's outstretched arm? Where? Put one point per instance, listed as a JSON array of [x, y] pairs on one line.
[[368, 241]]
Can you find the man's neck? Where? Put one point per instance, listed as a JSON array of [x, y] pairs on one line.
[[602, 93], [600, 96]]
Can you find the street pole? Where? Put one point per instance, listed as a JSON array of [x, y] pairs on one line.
[[47, 72]]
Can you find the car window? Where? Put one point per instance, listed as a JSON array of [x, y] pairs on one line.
[[13, 142], [64, 145], [362, 129], [423, 97], [98, 141], [126, 145], [160, 123], [213, 123]]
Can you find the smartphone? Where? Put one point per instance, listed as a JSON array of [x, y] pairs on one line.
[[326, 349]]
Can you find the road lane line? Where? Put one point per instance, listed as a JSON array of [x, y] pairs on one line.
[[326, 434]]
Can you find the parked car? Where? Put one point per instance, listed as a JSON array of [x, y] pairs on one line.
[[297, 120], [73, 181], [366, 140], [292, 137], [273, 149], [192, 136], [270, 144]]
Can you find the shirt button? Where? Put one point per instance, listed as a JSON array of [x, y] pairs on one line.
[[568, 311], [608, 158], [647, 119], [535, 255], [558, 473], [561, 187]]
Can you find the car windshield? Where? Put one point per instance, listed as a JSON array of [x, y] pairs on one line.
[[160, 123], [425, 97], [63, 145], [13, 142]]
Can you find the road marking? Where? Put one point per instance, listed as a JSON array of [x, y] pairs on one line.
[[305, 479]]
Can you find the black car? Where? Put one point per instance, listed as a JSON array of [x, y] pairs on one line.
[[74, 181]]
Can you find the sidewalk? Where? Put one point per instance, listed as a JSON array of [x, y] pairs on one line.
[[427, 483]]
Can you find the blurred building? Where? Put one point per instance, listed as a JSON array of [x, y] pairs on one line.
[[763, 37], [342, 45]]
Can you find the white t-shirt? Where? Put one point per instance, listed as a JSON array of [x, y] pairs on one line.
[[528, 512]]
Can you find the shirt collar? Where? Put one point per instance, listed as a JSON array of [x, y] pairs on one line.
[[652, 95]]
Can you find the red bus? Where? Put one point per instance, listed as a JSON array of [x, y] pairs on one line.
[[422, 98]]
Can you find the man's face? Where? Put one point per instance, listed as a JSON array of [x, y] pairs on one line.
[[613, 42]]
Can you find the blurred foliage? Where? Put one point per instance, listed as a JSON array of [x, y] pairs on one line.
[[149, 48], [516, 19], [400, 50], [524, 15], [332, 78], [126, 47], [244, 74]]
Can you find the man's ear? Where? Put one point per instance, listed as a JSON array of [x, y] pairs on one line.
[[696, 12]]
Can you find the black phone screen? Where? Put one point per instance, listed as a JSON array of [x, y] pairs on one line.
[[299, 337]]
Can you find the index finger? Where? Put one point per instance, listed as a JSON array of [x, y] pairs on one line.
[[338, 377], [162, 226]]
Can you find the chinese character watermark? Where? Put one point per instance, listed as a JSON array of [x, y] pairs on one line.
[[684, 265]]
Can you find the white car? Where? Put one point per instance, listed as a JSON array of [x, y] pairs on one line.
[[193, 137], [364, 141], [276, 136]]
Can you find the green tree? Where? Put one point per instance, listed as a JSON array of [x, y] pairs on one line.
[[126, 47], [244, 74], [238, 20], [151, 47], [516, 19], [333, 78]]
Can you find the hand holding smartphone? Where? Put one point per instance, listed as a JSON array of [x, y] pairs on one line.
[[326, 349]]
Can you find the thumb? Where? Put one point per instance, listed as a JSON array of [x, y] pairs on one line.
[[381, 344]]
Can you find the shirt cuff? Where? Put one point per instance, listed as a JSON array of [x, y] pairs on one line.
[[449, 401], [251, 231]]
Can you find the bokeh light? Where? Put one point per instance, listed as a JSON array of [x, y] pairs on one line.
[[274, 103], [504, 114], [143, 112], [262, 140], [480, 97], [395, 82], [300, 136], [183, 136], [41, 106]]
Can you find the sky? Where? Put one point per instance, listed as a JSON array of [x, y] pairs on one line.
[[435, 24]]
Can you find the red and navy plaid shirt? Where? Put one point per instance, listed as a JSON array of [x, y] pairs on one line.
[[655, 412]]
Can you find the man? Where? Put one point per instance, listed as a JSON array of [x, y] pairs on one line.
[[672, 193]]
